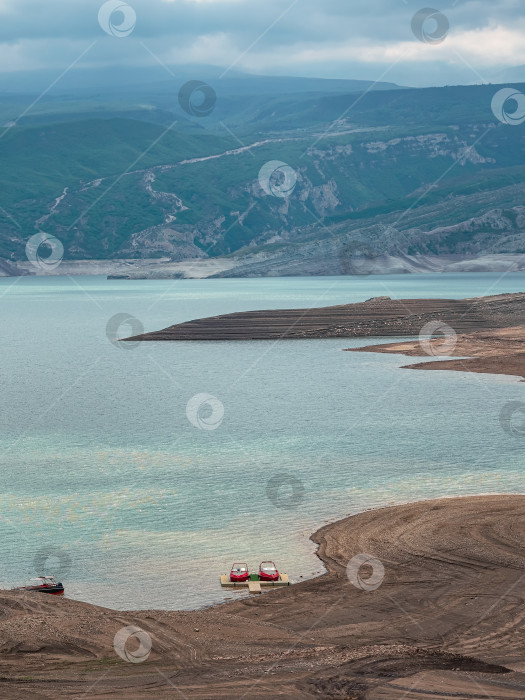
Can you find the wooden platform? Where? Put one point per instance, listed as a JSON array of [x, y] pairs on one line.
[[254, 586]]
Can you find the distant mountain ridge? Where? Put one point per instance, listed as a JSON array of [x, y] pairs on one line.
[[88, 82], [399, 172]]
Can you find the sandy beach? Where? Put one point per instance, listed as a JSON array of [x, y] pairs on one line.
[[444, 618]]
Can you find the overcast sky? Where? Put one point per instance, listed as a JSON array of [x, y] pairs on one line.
[[364, 39]]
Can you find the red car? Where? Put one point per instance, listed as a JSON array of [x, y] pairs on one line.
[[268, 571], [239, 572]]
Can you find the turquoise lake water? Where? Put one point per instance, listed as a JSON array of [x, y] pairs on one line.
[[108, 484]]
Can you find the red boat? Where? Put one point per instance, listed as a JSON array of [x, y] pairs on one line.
[[44, 584], [268, 571], [239, 572]]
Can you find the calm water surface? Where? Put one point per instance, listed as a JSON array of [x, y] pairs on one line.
[[104, 475]]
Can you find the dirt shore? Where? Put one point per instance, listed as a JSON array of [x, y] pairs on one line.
[[377, 317], [500, 351], [446, 620]]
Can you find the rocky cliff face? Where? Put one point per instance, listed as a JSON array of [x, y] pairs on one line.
[[9, 269], [403, 242], [215, 205]]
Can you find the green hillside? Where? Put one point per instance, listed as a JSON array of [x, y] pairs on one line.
[[126, 191]]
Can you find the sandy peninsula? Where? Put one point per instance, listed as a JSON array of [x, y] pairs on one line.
[[377, 317], [488, 332], [500, 351], [444, 619]]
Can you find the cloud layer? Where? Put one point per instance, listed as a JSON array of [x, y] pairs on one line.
[[370, 39]]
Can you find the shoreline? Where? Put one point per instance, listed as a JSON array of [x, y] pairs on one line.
[[265, 264], [377, 317], [499, 352], [447, 563]]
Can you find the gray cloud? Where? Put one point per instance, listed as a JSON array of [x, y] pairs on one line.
[[336, 38]]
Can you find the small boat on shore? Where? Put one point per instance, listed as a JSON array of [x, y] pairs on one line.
[[268, 571], [241, 578], [239, 573], [43, 584]]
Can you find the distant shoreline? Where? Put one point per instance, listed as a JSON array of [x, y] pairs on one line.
[[263, 264]]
